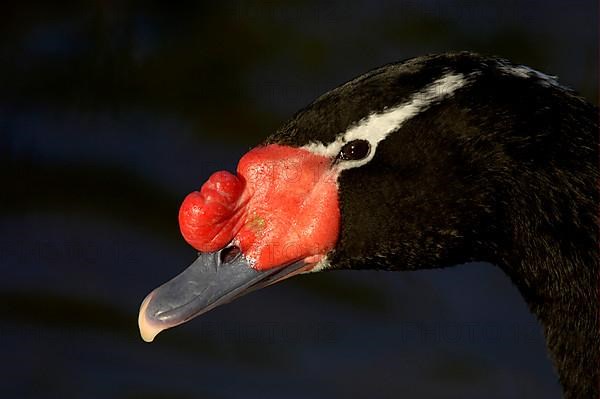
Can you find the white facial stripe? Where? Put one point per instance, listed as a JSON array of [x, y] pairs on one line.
[[376, 127]]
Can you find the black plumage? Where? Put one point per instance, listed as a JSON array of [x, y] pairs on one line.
[[504, 171]]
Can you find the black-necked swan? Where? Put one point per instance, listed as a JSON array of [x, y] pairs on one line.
[[431, 162]]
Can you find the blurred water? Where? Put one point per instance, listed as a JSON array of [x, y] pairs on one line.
[[111, 113]]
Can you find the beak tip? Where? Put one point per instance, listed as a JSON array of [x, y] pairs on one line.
[[148, 330]]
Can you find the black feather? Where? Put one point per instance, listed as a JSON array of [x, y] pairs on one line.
[[504, 171]]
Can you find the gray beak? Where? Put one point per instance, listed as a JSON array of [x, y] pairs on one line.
[[213, 279]]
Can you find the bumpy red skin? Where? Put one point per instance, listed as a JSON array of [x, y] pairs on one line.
[[282, 207]]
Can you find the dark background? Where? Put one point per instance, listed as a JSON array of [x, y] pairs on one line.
[[111, 112]]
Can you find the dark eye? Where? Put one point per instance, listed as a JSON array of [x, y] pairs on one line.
[[354, 150]]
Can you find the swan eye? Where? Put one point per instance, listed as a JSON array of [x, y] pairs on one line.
[[354, 150]]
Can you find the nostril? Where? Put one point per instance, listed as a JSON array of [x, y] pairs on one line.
[[228, 254]]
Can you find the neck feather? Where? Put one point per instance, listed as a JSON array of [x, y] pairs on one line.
[[553, 260]]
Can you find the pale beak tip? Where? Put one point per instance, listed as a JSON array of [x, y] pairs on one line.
[[148, 330]]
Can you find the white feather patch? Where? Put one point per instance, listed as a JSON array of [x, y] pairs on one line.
[[377, 126], [524, 72], [322, 265]]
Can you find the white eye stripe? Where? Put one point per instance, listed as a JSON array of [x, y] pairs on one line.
[[377, 126]]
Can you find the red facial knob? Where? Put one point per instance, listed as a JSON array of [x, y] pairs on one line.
[[207, 217]]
